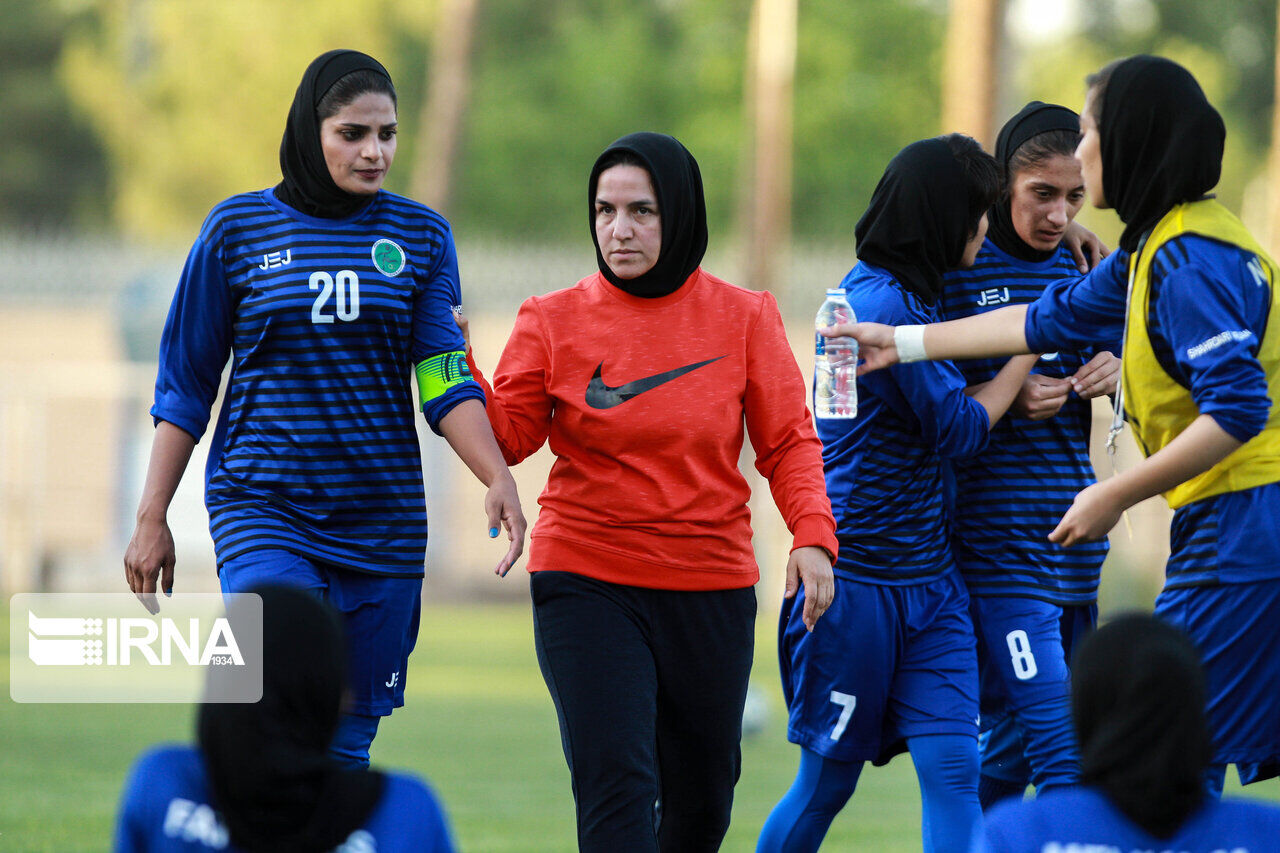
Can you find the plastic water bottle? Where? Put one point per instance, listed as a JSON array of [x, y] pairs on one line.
[[835, 379]]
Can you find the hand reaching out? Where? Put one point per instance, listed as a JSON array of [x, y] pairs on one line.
[[876, 347]]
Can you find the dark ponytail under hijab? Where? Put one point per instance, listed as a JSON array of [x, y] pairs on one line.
[[1138, 700]]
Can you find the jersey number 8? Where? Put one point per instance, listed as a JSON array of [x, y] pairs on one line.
[[1024, 663], [348, 293]]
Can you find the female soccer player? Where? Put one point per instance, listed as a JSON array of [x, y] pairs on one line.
[[892, 663], [1029, 599], [643, 377], [1138, 702], [1200, 380], [325, 291], [261, 778]]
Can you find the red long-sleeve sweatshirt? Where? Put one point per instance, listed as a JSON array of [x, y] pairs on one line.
[[644, 402]]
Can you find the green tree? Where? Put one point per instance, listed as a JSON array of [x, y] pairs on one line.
[[1240, 36], [53, 164], [190, 99], [866, 85], [1229, 48], [555, 83]]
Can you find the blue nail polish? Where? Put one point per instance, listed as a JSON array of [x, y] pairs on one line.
[[493, 533]]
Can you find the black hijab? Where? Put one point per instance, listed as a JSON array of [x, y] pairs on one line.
[[1138, 699], [1161, 140], [681, 209], [307, 185], [1032, 120], [269, 768], [916, 225]]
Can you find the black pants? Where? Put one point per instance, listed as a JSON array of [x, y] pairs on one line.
[[649, 687]]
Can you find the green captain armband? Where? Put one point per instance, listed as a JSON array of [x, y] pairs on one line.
[[439, 373]]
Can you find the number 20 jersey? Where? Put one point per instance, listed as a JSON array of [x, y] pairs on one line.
[[315, 449]]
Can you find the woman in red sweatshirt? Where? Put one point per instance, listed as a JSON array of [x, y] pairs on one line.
[[645, 377]]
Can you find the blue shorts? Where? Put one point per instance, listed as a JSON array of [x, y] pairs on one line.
[[1236, 627], [380, 616], [1024, 651], [885, 663]]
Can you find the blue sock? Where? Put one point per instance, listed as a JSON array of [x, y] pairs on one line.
[[351, 742], [947, 767], [800, 820], [1214, 778], [992, 790]]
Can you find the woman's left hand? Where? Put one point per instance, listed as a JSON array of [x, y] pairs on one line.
[[502, 505], [1092, 515], [1087, 250], [1100, 376], [812, 567]]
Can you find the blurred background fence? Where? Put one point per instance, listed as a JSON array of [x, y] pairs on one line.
[[80, 325]]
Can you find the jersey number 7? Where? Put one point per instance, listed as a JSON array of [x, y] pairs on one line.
[[847, 703]]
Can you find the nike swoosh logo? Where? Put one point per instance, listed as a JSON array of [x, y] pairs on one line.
[[602, 396]]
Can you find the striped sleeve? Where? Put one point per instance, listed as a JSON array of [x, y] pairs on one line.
[[195, 343], [1074, 313], [438, 352], [1209, 314]]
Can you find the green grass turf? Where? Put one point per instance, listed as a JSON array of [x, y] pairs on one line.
[[477, 723]]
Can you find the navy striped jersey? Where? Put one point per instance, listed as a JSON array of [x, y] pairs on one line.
[[315, 449], [1200, 288], [1007, 499], [884, 467]]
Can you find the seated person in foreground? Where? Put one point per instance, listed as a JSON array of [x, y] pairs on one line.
[[262, 778], [1138, 701]]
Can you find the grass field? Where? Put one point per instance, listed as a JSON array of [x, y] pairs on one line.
[[478, 723]]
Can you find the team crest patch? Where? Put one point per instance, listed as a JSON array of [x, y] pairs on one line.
[[388, 257]]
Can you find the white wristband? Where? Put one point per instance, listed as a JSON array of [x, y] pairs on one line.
[[910, 343]]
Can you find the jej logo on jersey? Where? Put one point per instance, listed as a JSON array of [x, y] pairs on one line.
[[388, 257], [110, 648]]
